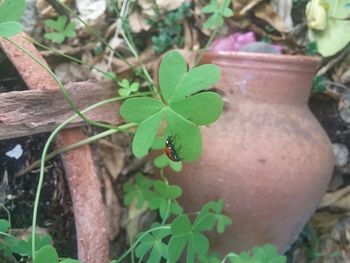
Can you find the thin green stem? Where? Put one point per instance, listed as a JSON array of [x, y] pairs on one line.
[[58, 52], [226, 257], [212, 36], [7, 211], [68, 148], [44, 153], [62, 88], [207, 45], [94, 32], [139, 239], [123, 13], [7, 235]]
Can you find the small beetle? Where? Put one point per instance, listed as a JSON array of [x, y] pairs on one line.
[[170, 150]]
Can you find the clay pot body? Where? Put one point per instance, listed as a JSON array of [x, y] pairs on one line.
[[267, 156]]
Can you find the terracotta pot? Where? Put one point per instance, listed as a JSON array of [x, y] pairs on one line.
[[267, 156]]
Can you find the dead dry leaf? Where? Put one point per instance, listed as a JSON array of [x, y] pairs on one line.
[[113, 157], [91, 10], [342, 71], [137, 22], [72, 72], [169, 5], [242, 7], [113, 210], [339, 199], [267, 12]]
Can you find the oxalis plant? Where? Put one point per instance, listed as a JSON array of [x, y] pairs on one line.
[[166, 117]]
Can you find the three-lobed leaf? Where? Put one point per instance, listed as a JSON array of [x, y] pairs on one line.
[[60, 28], [152, 243], [265, 254], [137, 191], [218, 10], [184, 234]]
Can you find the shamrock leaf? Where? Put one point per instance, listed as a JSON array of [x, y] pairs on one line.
[[164, 200], [126, 88], [181, 110], [210, 215], [138, 192], [10, 13], [218, 10], [61, 29], [264, 254], [183, 234], [152, 243]]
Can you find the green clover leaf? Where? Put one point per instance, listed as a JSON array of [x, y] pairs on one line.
[[10, 13], [61, 29], [218, 10], [163, 161], [46, 254], [183, 234], [265, 254], [210, 215], [181, 110], [126, 88], [152, 243], [138, 191], [164, 199]]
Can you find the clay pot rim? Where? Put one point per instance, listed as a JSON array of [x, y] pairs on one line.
[[264, 57]]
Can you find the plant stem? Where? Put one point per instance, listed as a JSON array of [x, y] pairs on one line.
[[139, 239], [123, 13], [7, 211], [94, 32], [62, 88], [43, 158], [56, 51], [212, 36]]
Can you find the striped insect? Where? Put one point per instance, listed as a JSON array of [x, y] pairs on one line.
[[170, 150]]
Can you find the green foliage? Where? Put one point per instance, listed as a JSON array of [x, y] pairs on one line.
[[126, 88], [152, 243], [61, 29], [181, 236], [218, 11], [318, 84], [169, 29], [311, 49], [137, 192], [155, 194], [45, 253], [328, 22], [10, 13], [49, 254], [191, 235], [180, 109], [265, 254]]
